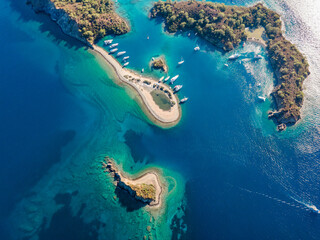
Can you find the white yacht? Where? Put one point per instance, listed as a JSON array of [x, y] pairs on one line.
[[234, 56], [174, 79], [262, 98], [226, 65], [113, 45], [197, 48], [182, 61], [183, 100], [107, 42], [160, 80], [125, 58], [177, 88], [121, 53], [142, 70], [113, 50], [166, 79], [126, 64]]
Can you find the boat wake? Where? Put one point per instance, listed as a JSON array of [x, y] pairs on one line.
[[301, 205]]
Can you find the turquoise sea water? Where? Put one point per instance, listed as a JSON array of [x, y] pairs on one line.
[[230, 174]]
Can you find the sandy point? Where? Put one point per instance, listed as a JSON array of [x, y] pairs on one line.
[[143, 86]]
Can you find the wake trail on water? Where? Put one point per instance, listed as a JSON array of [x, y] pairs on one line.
[[301, 205]]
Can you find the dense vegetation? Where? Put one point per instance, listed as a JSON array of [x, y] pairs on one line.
[[95, 18], [145, 191], [225, 27], [159, 63]]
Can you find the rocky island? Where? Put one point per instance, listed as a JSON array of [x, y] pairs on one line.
[[146, 188], [159, 63], [225, 27]]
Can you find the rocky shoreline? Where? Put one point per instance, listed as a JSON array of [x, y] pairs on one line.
[[67, 25], [137, 187]]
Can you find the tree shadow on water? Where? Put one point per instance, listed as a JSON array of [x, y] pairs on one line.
[[65, 225], [127, 201], [27, 14]]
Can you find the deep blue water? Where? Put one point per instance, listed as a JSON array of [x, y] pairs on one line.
[[243, 180]]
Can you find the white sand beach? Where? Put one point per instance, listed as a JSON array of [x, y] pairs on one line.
[[144, 86]]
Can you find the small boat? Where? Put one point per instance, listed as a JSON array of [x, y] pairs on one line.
[[314, 209], [166, 79], [174, 79], [161, 79], [197, 48], [142, 70], [234, 56], [262, 98], [189, 34], [243, 44], [148, 37], [177, 88], [183, 100], [126, 64], [182, 61], [113, 50], [125, 58], [226, 65], [107, 42], [256, 57], [113, 45], [120, 53]]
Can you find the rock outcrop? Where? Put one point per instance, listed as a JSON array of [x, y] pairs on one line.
[[67, 25], [142, 192]]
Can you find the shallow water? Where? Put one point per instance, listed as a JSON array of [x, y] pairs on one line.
[[230, 174]]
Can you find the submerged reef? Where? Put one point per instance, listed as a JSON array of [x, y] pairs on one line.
[[225, 27]]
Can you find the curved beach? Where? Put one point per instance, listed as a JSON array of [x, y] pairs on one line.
[[159, 116]]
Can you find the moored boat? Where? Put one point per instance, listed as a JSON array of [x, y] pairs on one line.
[[177, 88], [174, 79], [166, 79], [257, 57], [197, 48], [125, 58], [161, 78], [120, 53], [183, 100], [234, 56], [126, 64], [107, 42], [113, 50], [113, 45], [262, 98]]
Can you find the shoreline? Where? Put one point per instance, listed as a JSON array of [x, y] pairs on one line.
[[146, 176], [159, 117]]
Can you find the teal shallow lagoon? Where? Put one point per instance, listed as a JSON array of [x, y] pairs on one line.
[[221, 156]]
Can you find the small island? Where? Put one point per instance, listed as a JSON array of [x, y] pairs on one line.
[[159, 63], [227, 26], [146, 188]]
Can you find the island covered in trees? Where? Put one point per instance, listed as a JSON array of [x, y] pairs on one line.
[[225, 27], [87, 20]]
